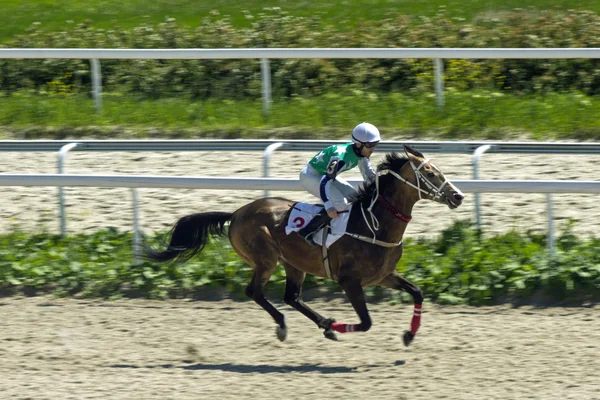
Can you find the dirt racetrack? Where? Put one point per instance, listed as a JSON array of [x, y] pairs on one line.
[[135, 349]]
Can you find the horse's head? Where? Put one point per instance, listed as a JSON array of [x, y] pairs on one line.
[[428, 181], [412, 177], [424, 180]]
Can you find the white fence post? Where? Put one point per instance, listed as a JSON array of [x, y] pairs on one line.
[[96, 84], [62, 154], [267, 159], [137, 241], [439, 82], [478, 153], [550, 212], [265, 69]]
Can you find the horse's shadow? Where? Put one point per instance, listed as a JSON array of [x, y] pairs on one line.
[[269, 369], [255, 369]]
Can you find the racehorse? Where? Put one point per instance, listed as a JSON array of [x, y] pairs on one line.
[[366, 255]]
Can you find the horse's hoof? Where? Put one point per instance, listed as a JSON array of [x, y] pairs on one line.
[[329, 334], [281, 333], [407, 338]]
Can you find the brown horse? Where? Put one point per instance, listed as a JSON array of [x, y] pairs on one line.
[[367, 255]]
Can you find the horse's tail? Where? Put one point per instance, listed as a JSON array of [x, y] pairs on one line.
[[189, 236]]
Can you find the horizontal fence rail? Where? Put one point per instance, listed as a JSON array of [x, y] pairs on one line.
[[465, 147], [477, 148], [228, 183], [265, 54], [279, 53], [285, 184]]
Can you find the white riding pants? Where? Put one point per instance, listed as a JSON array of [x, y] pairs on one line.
[[337, 191]]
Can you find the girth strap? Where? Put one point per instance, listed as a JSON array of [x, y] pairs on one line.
[[325, 253], [373, 240]]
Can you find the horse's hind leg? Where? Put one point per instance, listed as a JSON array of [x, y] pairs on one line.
[[294, 278], [262, 255], [395, 281], [256, 291]]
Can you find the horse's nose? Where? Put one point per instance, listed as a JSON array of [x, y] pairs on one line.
[[458, 197]]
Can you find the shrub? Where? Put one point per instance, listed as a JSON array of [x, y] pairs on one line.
[[459, 266], [236, 79]]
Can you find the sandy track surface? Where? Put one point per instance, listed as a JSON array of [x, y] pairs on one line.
[[36, 208], [137, 349]]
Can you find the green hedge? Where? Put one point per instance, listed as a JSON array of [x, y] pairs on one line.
[[459, 266], [236, 79]]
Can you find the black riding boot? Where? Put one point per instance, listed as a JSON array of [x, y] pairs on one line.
[[314, 225]]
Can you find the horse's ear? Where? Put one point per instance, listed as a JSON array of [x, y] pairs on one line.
[[410, 150]]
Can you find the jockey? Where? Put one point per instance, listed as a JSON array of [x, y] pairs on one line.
[[320, 175]]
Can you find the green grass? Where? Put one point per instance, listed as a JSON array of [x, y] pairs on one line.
[[466, 115], [459, 266], [18, 15]]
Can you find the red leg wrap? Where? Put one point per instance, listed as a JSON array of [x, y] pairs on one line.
[[343, 328], [416, 319]]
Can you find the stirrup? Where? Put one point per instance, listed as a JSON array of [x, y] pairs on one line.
[[319, 222]]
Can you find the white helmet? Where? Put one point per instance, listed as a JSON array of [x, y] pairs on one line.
[[365, 133]]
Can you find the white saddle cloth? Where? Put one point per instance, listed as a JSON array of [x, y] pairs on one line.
[[303, 213]]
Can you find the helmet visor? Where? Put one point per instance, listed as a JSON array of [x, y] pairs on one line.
[[370, 145]]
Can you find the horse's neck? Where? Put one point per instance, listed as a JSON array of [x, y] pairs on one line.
[[391, 229], [391, 226]]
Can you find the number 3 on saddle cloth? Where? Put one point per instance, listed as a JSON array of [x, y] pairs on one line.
[[303, 213]]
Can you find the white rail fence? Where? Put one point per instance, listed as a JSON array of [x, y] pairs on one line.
[[266, 54], [477, 148], [229, 183]]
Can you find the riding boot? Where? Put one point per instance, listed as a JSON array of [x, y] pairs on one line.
[[320, 220]]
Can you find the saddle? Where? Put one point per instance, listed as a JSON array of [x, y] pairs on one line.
[[303, 213]]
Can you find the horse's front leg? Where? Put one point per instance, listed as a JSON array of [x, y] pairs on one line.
[[356, 295], [395, 281]]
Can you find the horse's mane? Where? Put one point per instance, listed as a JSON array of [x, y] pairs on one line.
[[392, 161]]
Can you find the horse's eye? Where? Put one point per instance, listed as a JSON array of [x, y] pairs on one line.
[[430, 175]]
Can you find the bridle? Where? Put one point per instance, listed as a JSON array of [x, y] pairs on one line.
[[433, 191]]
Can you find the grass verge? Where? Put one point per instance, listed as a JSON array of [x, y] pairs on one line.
[[458, 267], [466, 115]]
